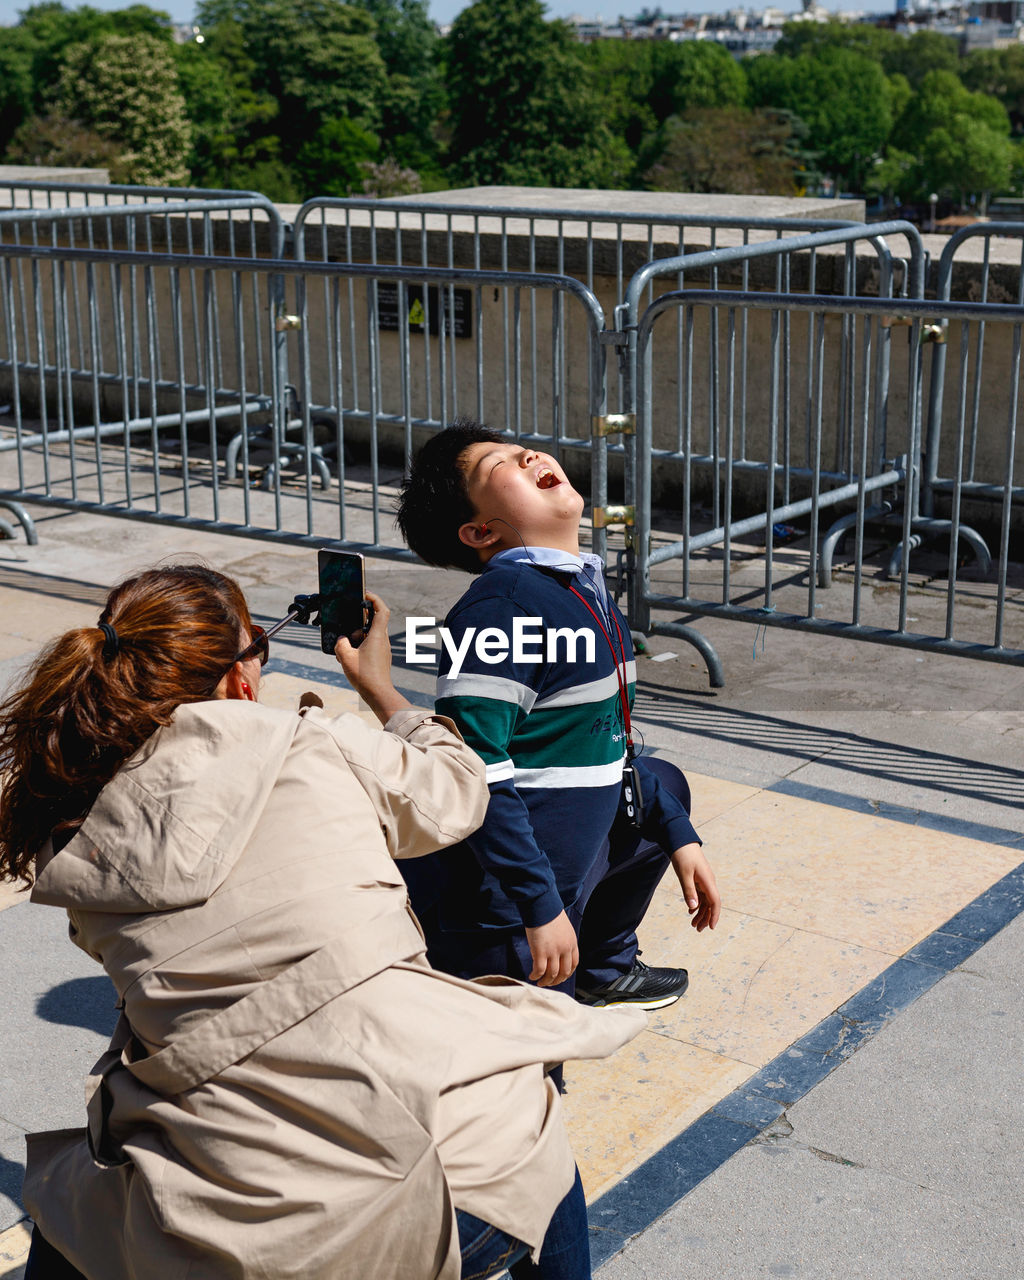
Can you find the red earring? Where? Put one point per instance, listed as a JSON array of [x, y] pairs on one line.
[[248, 692]]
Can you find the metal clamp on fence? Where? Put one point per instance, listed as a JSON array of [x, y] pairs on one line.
[[931, 330], [612, 424]]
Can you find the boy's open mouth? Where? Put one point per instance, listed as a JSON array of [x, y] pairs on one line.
[[547, 479]]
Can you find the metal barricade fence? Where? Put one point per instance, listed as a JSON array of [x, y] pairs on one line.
[[133, 373], [234, 224], [965, 459], [601, 249], [66, 349], [712, 452], [291, 354], [730, 567]]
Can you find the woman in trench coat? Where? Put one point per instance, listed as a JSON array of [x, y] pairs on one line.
[[291, 1090]]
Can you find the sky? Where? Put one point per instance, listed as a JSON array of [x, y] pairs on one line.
[[445, 10]]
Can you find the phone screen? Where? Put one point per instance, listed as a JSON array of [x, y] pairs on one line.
[[342, 590]]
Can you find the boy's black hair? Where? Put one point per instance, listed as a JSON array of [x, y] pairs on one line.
[[434, 503]]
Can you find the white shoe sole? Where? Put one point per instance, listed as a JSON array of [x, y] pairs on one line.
[[660, 1002]]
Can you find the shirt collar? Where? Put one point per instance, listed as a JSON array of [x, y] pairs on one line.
[[547, 557], [586, 565]]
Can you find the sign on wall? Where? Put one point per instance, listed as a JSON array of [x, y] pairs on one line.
[[423, 310]]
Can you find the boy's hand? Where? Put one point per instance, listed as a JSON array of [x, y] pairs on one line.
[[554, 950], [700, 891]]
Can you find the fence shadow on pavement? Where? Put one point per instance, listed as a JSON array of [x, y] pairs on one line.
[[873, 757]]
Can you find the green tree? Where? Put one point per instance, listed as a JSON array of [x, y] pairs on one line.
[[55, 140], [893, 176], [16, 85], [624, 69], [873, 42], [727, 149], [523, 109], [334, 161], [921, 54], [231, 117], [414, 98], [32, 53], [697, 73], [910, 56], [125, 89], [966, 157], [843, 98], [317, 59], [999, 73], [961, 139]]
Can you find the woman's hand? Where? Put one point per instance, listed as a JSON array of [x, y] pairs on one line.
[[368, 667]]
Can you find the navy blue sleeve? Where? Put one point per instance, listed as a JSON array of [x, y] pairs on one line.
[[666, 821]]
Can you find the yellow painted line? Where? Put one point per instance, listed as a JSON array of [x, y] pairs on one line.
[[818, 901], [14, 1244]]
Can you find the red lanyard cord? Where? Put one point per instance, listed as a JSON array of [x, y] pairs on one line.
[[620, 679]]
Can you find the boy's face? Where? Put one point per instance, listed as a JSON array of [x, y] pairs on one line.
[[522, 496]]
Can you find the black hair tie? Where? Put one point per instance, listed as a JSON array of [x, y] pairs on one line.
[[111, 642]]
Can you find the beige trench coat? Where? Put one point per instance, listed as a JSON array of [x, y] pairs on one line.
[[292, 1091]]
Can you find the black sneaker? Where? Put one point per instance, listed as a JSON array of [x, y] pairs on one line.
[[643, 988]]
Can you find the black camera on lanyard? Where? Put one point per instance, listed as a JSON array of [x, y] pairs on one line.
[[632, 794]]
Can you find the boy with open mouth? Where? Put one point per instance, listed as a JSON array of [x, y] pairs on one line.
[[580, 827]]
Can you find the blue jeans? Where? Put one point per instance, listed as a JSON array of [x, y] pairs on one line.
[[45, 1263], [564, 1255]]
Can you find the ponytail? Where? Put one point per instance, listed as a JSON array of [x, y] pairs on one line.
[[96, 694]]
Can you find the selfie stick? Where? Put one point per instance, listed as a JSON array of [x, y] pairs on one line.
[[300, 610]]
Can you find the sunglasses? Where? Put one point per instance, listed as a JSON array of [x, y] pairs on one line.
[[258, 647]]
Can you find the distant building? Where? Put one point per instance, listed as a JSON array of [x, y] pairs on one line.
[[741, 31]]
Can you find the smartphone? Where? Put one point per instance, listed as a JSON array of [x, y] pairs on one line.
[[343, 607]]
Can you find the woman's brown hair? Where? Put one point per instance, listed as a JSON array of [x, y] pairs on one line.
[[94, 696]]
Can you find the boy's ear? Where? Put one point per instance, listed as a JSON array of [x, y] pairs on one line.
[[478, 535]]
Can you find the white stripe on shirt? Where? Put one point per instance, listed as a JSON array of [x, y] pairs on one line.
[[500, 771], [593, 691], [477, 685], [560, 776]]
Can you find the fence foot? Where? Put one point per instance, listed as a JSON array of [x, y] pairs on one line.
[[23, 518], [231, 457], [296, 454], [924, 528], [713, 663], [835, 536]]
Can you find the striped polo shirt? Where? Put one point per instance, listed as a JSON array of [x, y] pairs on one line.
[[548, 722]]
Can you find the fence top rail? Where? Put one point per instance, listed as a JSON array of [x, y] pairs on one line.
[[124, 189], [816, 240], [985, 230], [370, 272], [913, 310], [531, 213], [98, 212]]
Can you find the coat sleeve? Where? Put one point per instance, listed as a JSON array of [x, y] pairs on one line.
[[427, 786]]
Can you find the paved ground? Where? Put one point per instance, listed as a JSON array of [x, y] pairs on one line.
[[838, 1094]]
